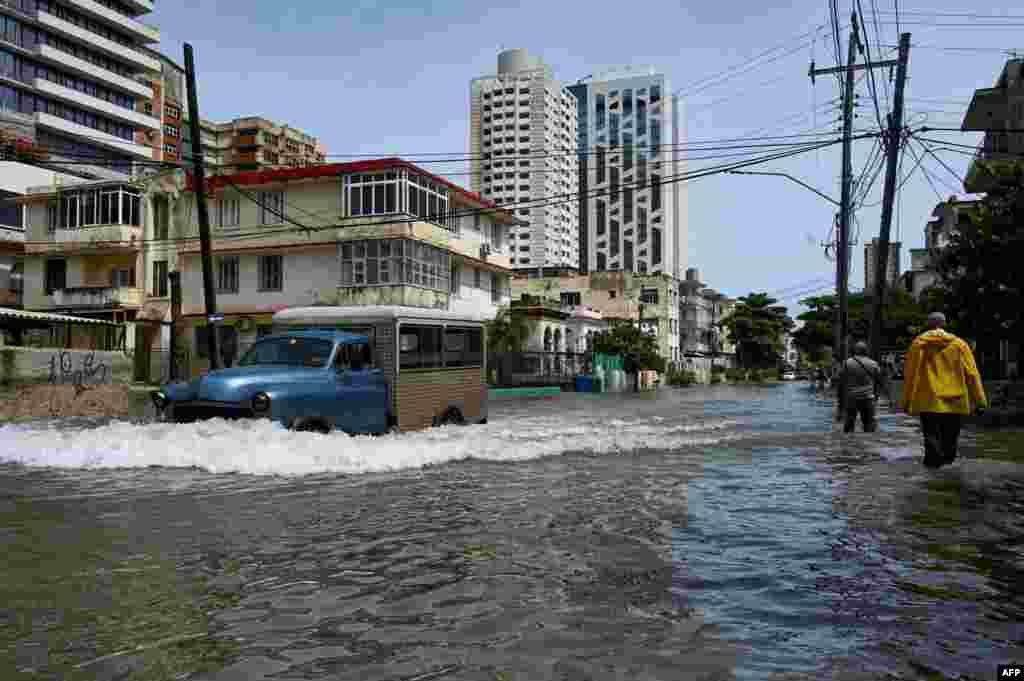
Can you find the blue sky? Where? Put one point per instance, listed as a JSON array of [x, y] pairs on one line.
[[376, 77]]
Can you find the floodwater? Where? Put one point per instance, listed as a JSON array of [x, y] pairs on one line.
[[708, 533]]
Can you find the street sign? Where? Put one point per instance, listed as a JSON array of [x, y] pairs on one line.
[[214, 318]]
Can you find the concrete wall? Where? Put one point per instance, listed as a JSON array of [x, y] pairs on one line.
[[32, 365]]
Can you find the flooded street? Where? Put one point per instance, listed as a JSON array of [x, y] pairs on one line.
[[711, 533]]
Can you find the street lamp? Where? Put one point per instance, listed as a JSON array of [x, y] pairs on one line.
[[788, 177]]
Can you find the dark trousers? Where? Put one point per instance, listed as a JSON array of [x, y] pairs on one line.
[[865, 406], [941, 432]]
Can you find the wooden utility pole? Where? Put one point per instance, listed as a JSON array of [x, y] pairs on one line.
[[845, 207], [893, 138], [175, 279], [209, 291]]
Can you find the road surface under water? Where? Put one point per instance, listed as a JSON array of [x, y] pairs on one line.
[[709, 533]]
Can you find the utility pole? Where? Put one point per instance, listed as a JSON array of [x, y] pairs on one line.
[[175, 279], [210, 293], [845, 207], [893, 136]]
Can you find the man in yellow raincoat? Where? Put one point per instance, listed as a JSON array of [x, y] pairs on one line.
[[942, 385]]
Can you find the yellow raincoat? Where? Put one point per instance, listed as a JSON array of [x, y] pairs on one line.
[[940, 376]]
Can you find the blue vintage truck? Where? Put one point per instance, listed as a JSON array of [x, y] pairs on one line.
[[353, 369]]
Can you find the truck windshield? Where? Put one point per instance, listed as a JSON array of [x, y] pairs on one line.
[[304, 352]]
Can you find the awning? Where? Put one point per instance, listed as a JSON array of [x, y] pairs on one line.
[[9, 314]]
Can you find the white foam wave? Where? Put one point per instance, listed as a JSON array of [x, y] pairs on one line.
[[264, 448]]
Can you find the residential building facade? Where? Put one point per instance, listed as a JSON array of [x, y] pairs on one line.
[[523, 130], [946, 217], [632, 207], [69, 81], [651, 301], [892, 266], [703, 344], [998, 112], [168, 103], [253, 143], [389, 233], [558, 327]]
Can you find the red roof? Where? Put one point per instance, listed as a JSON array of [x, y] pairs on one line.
[[330, 170]]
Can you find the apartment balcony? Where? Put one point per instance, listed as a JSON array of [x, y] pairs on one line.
[[80, 67], [137, 29], [95, 104], [96, 297], [108, 239], [57, 124], [991, 154], [140, 6], [90, 39]]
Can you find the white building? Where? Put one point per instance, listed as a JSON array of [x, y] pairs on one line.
[[633, 212], [71, 80], [523, 142], [380, 232]]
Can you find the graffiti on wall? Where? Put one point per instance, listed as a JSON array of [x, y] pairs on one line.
[[89, 373]]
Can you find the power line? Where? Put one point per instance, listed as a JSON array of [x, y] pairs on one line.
[[551, 200], [925, 171]]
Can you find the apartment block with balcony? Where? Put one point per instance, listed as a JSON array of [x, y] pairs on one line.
[[389, 233], [650, 301], [69, 78], [946, 218], [84, 250], [704, 345], [255, 143], [998, 112], [168, 104], [523, 131]]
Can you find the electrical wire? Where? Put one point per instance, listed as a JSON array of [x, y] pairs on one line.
[[925, 171], [551, 200]]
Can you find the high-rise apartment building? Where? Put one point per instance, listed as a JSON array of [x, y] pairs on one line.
[[522, 141], [999, 113], [633, 213], [253, 143], [871, 265], [70, 81], [168, 103]]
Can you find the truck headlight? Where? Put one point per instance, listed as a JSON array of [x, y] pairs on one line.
[[160, 400], [261, 403]]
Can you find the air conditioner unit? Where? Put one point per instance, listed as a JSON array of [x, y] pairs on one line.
[[485, 250]]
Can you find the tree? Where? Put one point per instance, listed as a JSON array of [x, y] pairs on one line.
[[626, 337], [903, 319], [980, 271], [756, 327], [508, 332]]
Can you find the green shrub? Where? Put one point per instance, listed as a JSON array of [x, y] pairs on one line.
[[680, 378], [717, 369], [717, 377], [736, 375]]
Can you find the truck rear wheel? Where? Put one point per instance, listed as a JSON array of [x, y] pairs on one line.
[[307, 425], [451, 416]]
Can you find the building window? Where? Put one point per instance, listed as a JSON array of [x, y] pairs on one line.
[[123, 278], [160, 278], [571, 298], [655, 192], [171, 131], [115, 206], [656, 246], [641, 117], [649, 296], [601, 165], [271, 208], [171, 149], [271, 272], [599, 111], [419, 347], [227, 274], [56, 275], [613, 246], [655, 93], [172, 111], [455, 279], [477, 278], [395, 262], [161, 217], [227, 212], [463, 346], [495, 288], [641, 225]]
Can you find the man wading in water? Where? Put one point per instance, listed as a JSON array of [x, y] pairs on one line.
[[942, 384], [862, 378]]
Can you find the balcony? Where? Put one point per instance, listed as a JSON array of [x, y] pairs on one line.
[[57, 124], [137, 29], [108, 238], [81, 67], [96, 297], [140, 6], [991, 153], [109, 47], [95, 104]]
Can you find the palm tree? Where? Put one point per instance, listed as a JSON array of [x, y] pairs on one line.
[[756, 327]]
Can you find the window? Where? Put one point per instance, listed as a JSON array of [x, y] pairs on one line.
[[627, 249], [477, 278], [613, 189], [649, 296], [601, 217], [495, 288], [227, 274], [394, 261], [601, 165], [160, 278], [271, 208], [655, 192], [227, 212], [171, 131], [571, 298], [463, 347], [613, 246], [655, 93], [161, 217], [627, 205], [271, 272], [170, 149], [56, 275], [172, 111], [641, 117], [455, 279], [656, 246], [641, 224], [122, 278], [627, 151], [613, 129], [419, 347]]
